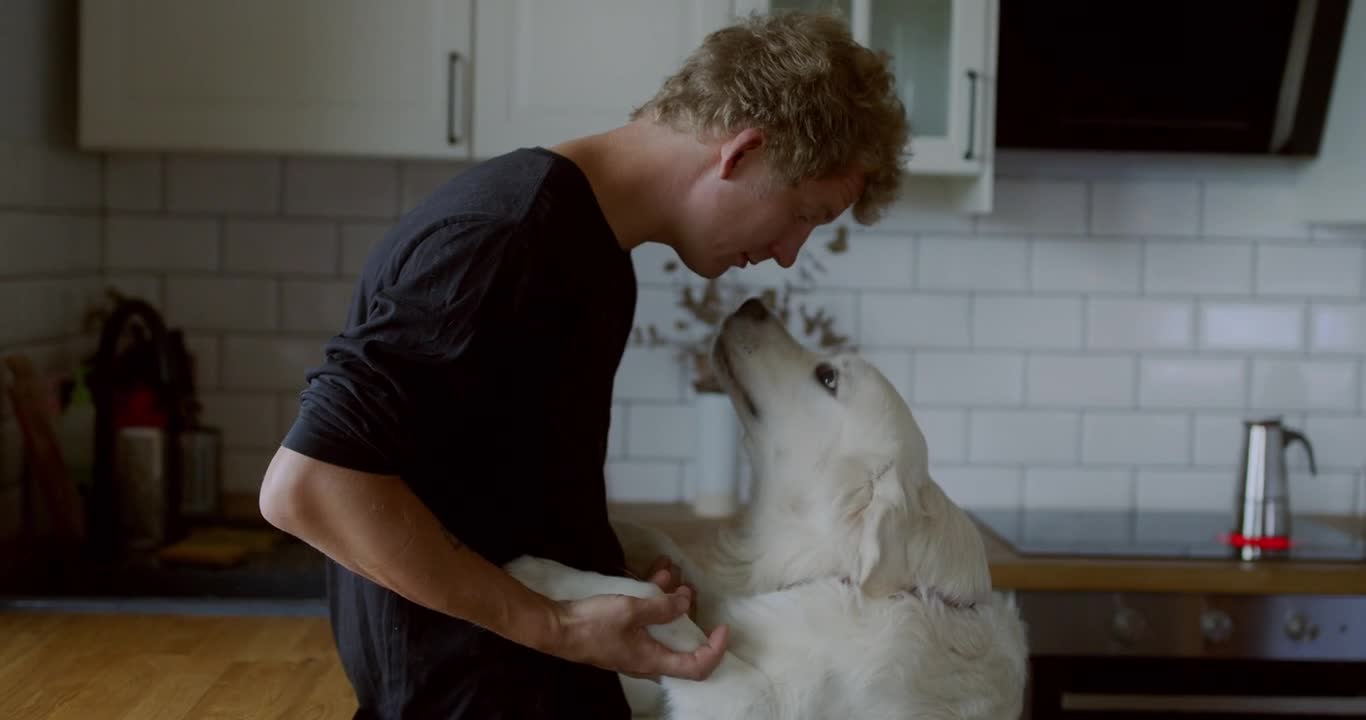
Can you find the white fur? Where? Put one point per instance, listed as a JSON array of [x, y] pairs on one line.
[[853, 586]]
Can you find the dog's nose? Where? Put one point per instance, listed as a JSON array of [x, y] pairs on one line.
[[752, 309]]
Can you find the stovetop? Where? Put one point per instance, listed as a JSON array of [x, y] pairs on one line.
[[1152, 534]]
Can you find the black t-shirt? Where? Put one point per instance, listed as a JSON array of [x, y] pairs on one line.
[[477, 364]]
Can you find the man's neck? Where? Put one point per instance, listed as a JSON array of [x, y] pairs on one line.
[[639, 173]]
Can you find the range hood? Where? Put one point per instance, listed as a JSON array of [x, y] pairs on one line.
[[1211, 76]]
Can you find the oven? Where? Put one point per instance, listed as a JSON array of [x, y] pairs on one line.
[[1195, 656]]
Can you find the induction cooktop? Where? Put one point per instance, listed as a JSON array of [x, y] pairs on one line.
[[1153, 534]]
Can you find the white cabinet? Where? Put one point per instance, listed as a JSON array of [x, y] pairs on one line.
[[943, 53], [550, 70], [1333, 185], [354, 77]]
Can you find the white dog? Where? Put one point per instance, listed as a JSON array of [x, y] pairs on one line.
[[853, 586]]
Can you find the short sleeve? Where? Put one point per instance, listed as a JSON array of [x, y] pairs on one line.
[[419, 330]]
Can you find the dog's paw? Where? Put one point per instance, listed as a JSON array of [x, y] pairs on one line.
[[539, 574]]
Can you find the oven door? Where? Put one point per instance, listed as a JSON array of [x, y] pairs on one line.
[[1084, 687]]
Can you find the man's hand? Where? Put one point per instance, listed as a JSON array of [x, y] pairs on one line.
[[609, 631], [669, 577]]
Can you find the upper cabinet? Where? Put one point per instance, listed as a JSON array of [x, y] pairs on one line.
[[1333, 185], [943, 53], [281, 76], [550, 70], [470, 79]]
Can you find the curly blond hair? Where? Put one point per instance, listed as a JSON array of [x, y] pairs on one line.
[[826, 104]]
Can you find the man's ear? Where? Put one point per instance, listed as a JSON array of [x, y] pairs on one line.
[[744, 142], [882, 542]]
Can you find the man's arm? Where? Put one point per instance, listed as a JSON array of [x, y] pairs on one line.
[[376, 527]]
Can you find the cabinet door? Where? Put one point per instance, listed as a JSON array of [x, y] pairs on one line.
[[348, 77], [550, 70], [942, 56]]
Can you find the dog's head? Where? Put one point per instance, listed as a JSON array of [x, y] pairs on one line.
[[841, 479]]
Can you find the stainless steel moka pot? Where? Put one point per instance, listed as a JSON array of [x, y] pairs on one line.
[[1263, 507]]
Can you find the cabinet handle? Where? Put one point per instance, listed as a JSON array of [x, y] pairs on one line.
[[972, 115], [455, 99]]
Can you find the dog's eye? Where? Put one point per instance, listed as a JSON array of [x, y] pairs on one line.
[[827, 376]]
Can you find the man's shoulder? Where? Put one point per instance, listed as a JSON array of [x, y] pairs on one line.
[[506, 189]]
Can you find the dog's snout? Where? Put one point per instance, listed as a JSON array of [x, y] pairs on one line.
[[752, 309]]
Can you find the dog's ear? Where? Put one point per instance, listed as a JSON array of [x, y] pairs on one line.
[[882, 561]]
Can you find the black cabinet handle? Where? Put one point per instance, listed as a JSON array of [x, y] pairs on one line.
[[455, 108], [972, 115]]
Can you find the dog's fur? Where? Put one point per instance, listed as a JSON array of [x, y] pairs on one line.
[[853, 586]]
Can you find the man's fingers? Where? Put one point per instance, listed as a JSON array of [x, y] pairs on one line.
[[662, 609], [700, 663]]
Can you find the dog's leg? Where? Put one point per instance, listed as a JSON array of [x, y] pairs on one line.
[[734, 690]]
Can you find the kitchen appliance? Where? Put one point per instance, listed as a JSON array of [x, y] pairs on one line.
[[1186, 655], [1215, 76], [1263, 505]]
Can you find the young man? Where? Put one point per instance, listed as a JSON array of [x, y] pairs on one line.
[[460, 418]]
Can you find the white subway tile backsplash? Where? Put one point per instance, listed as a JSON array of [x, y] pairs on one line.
[[924, 205], [964, 263], [341, 187], [1022, 436], [1145, 208], [823, 319], [222, 184], [659, 431], [1309, 270], [140, 286], [270, 246], [1189, 267], [1329, 493], [1304, 384], [248, 420], [871, 262], [946, 433], [920, 320], [1080, 381], [1252, 326], [1185, 490], [657, 264], [214, 303], [967, 379], [262, 362], [204, 352], [616, 431], [287, 411], [46, 243], [1036, 207], [1134, 438], [977, 487], [33, 310], [1337, 328], [1120, 324], [649, 374], [1077, 488], [1032, 323], [895, 365], [43, 176], [132, 181], [1192, 382], [315, 306], [1247, 210], [1087, 265], [358, 239], [160, 243], [1338, 441], [644, 481]]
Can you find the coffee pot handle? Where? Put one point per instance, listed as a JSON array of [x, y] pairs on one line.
[[1292, 436]]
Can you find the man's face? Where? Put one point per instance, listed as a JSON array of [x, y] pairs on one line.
[[739, 215]]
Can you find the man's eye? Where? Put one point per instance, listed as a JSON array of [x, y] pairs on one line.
[[827, 376]]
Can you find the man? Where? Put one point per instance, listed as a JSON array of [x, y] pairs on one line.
[[460, 418]]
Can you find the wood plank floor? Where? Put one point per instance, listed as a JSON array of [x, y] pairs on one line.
[[168, 667]]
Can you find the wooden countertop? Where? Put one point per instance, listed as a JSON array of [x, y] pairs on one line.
[[1010, 571], [121, 667]]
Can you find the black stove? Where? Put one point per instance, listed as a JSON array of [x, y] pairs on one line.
[[1153, 534]]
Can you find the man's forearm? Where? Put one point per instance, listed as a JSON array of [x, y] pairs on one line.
[[376, 527]]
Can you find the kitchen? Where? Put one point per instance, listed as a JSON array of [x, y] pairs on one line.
[[1081, 331]]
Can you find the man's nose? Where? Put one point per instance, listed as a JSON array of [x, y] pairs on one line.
[[785, 251]]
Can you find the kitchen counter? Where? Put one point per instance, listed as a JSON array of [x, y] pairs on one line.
[[1012, 571]]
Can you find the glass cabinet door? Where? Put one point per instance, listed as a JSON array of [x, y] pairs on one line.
[[939, 56]]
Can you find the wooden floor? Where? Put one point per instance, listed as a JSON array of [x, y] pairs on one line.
[[136, 667]]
